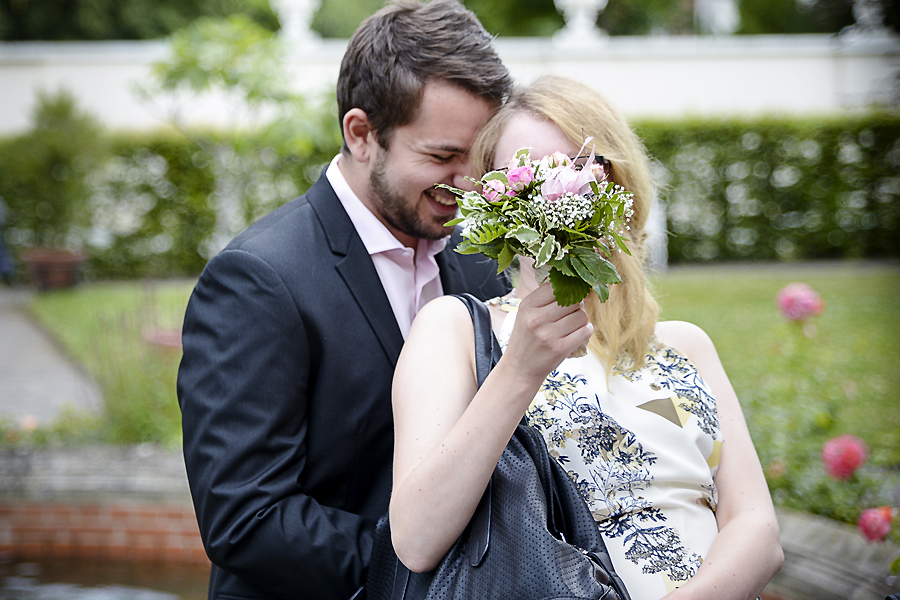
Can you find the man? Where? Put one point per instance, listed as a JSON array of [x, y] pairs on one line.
[[292, 333]]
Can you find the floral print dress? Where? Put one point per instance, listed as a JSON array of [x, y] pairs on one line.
[[643, 445]]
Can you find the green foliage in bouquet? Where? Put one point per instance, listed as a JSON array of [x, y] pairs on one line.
[[567, 218]]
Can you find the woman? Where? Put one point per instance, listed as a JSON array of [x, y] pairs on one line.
[[647, 423]]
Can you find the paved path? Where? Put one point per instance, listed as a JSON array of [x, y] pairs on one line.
[[36, 377]]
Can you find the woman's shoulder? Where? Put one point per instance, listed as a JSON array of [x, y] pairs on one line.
[[445, 313], [688, 339], [444, 328]]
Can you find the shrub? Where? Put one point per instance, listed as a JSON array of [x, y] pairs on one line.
[[43, 174], [779, 188], [763, 189]]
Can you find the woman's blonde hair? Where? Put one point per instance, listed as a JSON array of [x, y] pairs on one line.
[[625, 323]]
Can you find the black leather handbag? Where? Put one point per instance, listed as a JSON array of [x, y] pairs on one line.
[[532, 536]]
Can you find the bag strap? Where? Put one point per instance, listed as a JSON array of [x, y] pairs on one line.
[[487, 348], [487, 353]]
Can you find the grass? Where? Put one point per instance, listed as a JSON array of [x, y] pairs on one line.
[[103, 327], [796, 392], [845, 379]]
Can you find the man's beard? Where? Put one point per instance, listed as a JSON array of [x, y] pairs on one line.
[[395, 209]]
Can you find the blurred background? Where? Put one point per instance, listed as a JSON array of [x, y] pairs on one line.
[[137, 138]]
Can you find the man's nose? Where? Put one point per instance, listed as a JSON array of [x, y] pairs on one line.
[[463, 176]]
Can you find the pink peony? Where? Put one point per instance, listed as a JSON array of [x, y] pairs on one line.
[[494, 190], [519, 177], [843, 455], [798, 302], [875, 523], [563, 180]]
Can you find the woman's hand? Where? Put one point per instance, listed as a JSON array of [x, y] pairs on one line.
[[544, 334]]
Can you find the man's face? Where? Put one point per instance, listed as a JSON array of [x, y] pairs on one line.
[[432, 149]]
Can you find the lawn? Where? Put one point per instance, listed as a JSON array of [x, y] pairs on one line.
[[849, 366], [797, 391], [106, 327]]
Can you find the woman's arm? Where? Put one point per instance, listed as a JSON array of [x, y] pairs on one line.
[[448, 438], [746, 553]]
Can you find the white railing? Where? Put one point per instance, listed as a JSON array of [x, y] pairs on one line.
[[662, 76]]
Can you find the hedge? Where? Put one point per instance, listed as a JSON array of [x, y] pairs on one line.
[[753, 189], [780, 189]]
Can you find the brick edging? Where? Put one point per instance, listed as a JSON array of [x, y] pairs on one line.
[[128, 532]]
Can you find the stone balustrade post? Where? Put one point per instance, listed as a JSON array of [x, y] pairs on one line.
[[581, 22], [296, 18]]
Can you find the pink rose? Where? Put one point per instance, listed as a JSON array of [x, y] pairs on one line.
[[598, 170], [561, 159], [875, 523], [494, 190], [843, 455], [798, 302], [520, 160], [519, 177]]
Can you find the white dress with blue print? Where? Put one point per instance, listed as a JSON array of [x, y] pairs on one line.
[[643, 446]]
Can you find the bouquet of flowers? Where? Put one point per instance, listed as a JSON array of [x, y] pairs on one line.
[[565, 216]]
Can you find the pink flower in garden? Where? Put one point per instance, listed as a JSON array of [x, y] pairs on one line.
[[843, 455], [798, 302], [875, 523], [494, 190], [519, 177], [29, 423]]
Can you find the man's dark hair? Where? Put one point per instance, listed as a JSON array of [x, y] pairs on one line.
[[407, 44]]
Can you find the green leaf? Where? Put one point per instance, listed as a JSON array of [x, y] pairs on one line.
[[492, 249], [607, 272], [621, 243], [547, 251], [453, 222], [602, 291], [567, 290], [496, 175], [456, 191], [507, 254], [564, 266], [525, 234], [487, 231], [467, 248], [586, 263]]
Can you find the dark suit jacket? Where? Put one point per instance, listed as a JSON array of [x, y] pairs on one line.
[[290, 345]]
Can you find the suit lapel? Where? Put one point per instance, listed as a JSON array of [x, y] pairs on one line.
[[354, 265], [452, 280]]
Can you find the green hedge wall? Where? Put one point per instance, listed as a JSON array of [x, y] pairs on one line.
[[779, 189], [763, 189], [162, 204]]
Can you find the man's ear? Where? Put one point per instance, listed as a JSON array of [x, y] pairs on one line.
[[359, 135]]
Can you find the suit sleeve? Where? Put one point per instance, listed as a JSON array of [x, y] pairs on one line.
[[242, 387]]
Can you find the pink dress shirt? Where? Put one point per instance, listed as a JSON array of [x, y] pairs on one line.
[[410, 277]]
